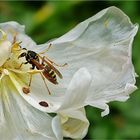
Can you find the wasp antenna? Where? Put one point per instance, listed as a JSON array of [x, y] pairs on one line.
[[24, 48], [47, 49], [22, 55]]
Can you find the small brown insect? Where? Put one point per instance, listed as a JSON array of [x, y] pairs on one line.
[[26, 90], [43, 103]]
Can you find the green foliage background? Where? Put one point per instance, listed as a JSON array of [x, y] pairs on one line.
[[46, 20]]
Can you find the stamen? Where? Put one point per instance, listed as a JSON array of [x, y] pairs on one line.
[[4, 35], [43, 103], [26, 90]]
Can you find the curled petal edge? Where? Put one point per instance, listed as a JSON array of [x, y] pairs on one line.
[[102, 104]]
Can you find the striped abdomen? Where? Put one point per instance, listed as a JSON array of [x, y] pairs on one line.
[[51, 74]]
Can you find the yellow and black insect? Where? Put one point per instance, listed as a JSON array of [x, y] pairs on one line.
[[48, 70]]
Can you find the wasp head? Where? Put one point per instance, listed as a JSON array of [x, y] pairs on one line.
[[31, 55]]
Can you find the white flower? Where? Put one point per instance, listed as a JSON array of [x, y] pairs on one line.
[[99, 70], [74, 123], [5, 47], [18, 119]]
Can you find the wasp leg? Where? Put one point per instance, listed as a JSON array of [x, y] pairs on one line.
[[30, 80], [43, 60], [33, 67], [21, 65], [26, 90], [50, 45], [52, 62], [45, 83], [31, 72]]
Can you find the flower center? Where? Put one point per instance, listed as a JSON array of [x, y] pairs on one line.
[[9, 53], [21, 64]]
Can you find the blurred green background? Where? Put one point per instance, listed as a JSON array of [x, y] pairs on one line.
[[46, 20]]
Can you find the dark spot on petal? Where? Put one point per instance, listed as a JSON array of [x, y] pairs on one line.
[[26, 90], [43, 103]]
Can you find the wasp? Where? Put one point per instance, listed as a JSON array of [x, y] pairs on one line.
[[49, 71]]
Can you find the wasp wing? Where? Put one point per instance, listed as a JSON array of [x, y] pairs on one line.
[[51, 66], [45, 72]]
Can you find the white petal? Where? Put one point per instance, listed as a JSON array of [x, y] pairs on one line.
[[19, 120], [77, 90], [102, 44], [13, 28], [74, 97], [74, 123], [5, 48], [56, 126], [36, 95]]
